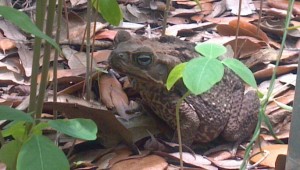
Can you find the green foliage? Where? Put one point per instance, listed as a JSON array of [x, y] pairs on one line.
[[7, 113], [241, 70], [23, 21], [79, 128], [37, 151], [40, 153], [175, 75], [9, 154], [202, 73], [16, 130], [29, 149], [38, 129], [110, 10], [210, 50]]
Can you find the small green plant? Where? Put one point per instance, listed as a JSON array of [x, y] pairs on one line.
[[26, 147], [209, 71], [29, 149]]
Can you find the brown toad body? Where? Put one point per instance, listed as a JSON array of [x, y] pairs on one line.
[[224, 110]]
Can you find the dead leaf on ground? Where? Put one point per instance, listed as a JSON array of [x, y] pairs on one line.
[[277, 27], [274, 150], [173, 30], [196, 160], [246, 29], [268, 70], [218, 8], [101, 55], [108, 126], [6, 44], [76, 60], [133, 14], [283, 4], [286, 98], [247, 7], [66, 75], [9, 78], [148, 162], [228, 164], [226, 20], [178, 20], [112, 94], [106, 34]]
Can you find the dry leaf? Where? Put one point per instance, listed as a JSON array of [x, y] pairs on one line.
[[274, 150], [106, 34], [178, 20], [283, 4], [246, 29], [173, 30], [110, 129], [6, 44], [268, 71], [146, 163], [101, 56], [249, 30], [247, 7]]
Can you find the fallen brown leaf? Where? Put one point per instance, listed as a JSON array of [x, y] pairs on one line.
[[6, 44], [273, 150], [147, 163]]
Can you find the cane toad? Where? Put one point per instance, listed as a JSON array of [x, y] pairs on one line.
[[224, 110]]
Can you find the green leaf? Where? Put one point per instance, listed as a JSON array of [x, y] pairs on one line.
[[241, 70], [40, 153], [175, 75], [284, 106], [9, 153], [38, 129], [200, 74], [21, 20], [7, 113], [79, 128], [16, 129], [210, 50], [110, 10]]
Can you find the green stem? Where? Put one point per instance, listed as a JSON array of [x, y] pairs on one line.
[[59, 18], [40, 15], [2, 141], [88, 50], [178, 104], [46, 59], [265, 101]]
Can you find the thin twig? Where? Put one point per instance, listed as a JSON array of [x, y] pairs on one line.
[[237, 29], [168, 4]]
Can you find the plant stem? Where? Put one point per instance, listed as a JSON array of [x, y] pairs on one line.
[[237, 29], [59, 18], [265, 100], [88, 50], [2, 141], [168, 4], [178, 104], [46, 59], [40, 15]]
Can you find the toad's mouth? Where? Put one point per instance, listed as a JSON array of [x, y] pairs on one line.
[[133, 73]]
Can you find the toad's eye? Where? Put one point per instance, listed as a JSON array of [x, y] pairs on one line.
[[144, 59]]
